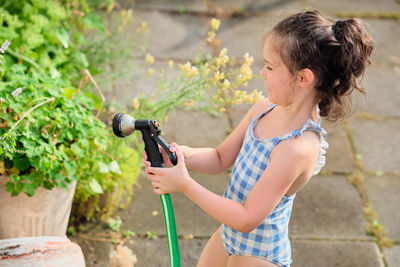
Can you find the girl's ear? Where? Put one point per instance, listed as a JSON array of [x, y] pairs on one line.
[[305, 78]]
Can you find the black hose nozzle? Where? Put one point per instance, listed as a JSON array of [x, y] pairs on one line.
[[124, 125]]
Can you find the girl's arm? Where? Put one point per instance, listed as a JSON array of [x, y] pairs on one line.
[[291, 159], [220, 159]]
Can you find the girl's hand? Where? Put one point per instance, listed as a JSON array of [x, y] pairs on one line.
[[169, 180]]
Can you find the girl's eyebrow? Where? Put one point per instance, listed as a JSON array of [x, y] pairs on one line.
[[268, 62]]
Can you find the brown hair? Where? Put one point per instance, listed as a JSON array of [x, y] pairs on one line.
[[337, 52]]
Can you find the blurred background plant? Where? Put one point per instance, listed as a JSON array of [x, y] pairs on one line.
[[208, 83]]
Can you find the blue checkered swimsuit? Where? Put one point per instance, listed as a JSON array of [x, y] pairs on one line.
[[270, 239]]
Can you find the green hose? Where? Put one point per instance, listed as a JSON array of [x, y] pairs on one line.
[[170, 228]]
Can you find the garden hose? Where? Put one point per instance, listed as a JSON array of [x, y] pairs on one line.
[[170, 228], [124, 125]]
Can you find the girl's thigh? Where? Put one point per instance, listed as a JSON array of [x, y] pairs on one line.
[[239, 261], [214, 254]]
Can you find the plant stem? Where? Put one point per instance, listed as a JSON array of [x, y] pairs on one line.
[[26, 114], [15, 54]]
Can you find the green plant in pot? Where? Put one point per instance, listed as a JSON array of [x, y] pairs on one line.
[[50, 138], [51, 142]]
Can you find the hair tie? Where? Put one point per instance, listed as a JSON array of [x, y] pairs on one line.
[[338, 29]]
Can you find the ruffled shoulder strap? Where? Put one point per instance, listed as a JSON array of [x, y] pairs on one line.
[[323, 144], [310, 125]]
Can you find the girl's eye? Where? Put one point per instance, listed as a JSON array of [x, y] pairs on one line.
[[268, 68]]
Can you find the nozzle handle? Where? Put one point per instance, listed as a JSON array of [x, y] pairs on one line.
[[152, 150]]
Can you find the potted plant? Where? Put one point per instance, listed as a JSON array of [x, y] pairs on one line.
[[51, 141]]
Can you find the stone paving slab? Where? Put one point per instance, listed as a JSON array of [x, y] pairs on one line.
[[195, 129], [377, 143], [177, 37], [240, 35], [384, 32], [222, 7], [339, 157], [327, 207], [332, 7], [154, 253], [182, 36], [336, 253], [96, 253], [392, 256], [190, 219], [140, 82], [383, 193], [180, 6], [383, 86]]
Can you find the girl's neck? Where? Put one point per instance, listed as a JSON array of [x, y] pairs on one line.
[[298, 112]]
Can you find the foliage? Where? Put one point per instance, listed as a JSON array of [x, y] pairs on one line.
[[49, 135], [58, 142], [115, 224]]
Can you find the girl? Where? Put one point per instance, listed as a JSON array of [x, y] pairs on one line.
[[311, 64]]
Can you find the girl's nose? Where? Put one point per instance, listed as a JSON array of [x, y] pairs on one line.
[[262, 73]]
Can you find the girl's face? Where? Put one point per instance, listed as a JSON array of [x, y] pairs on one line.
[[276, 75]]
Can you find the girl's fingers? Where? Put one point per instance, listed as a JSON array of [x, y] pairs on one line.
[[156, 171], [147, 163], [145, 155], [157, 191]]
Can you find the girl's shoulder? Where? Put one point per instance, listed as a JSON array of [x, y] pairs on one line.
[[259, 107]]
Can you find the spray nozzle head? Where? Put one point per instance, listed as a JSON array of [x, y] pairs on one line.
[[123, 124]]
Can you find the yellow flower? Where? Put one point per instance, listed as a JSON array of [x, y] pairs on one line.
[[222, 109], [2, 168], [226, 84], [193, 71], [218, 76], [135, 103], [210, 36], [143, 27], [248, 59], [126, 16], [150, 71], [225, 59], [215, 24], [186, 68], [149, 59], [223, 52], [188, 103], [256, 96], [170, 63]]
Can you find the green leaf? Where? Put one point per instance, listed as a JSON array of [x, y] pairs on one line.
[[77, 150], [102, 167], [69, 92], [96, 99], [10, 187], [29, 189], [114, 167], [21, 163], [15, 178], [93, 21], [95, 187], [62, 36], [115, 224]]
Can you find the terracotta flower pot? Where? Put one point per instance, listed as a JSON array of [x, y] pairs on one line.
[[46, 213]]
